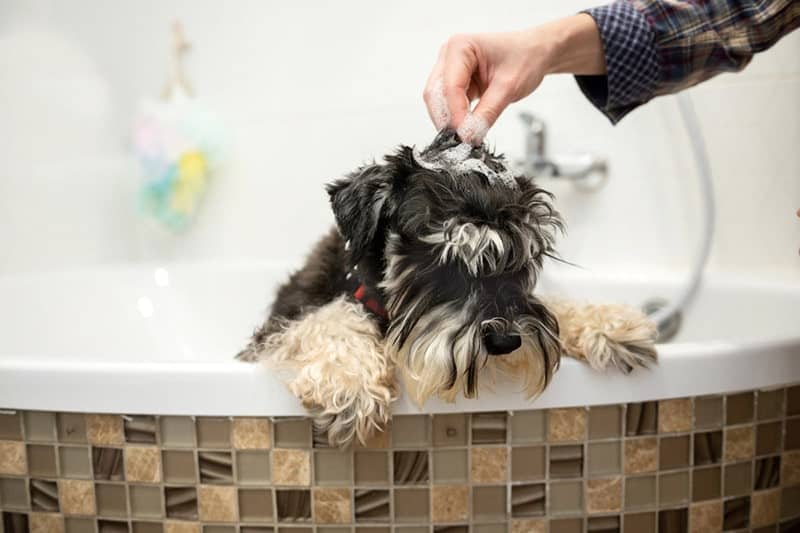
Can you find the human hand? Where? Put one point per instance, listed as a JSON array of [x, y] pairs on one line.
[[498, 69]]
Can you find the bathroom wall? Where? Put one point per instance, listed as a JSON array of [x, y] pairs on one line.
[[309, 90]]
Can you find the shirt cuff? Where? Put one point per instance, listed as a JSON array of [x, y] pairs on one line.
[[632, 69]]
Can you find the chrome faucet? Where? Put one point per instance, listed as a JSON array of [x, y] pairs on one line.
[[536, 163]]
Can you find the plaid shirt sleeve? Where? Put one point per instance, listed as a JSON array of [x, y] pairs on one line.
[[657, 47]]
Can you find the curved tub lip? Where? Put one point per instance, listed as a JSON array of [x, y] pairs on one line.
[[232, 388]]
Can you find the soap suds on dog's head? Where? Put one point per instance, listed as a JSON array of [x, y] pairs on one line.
[[448, 152], [473, 129]]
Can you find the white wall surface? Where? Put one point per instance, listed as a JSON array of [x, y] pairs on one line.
[[309, 90]]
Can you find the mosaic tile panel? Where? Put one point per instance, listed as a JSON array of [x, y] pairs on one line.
[[703, 464]]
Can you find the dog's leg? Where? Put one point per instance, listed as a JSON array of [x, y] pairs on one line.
[[604, 335], [335, 364]]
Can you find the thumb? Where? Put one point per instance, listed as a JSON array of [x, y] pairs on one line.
[[477, 123]]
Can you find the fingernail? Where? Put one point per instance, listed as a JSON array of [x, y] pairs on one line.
[[473, 129]]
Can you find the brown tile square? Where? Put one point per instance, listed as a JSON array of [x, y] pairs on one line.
[[736, 514], [673, 488], [111, 500], [42, 460], [566, 525], [790, 502], [107, 464], [567, 425], [251, 433], [450, 503], [12, 458], [528, 427], [707, 448], [673, 520], [216, 504], [768, 438], [379, 440], [489, 465], [371, 505], [40, 426], [450, 430], [641, 419], [605, 422], [528, 500], [10, 426], [604, 524], [293, 433], [112, 526], [450, 466], [46, 523], [181, 502], [253, 467], [706, 483], [411, 467], [488, 503], [333, 506], [604, 495], [708, 412], [145, 501], [639, 523], [674, 452], [675, 416], [140, 429], [44, 495], [214, 432], [566, 461], [790, 468], [792, 435], [489, 428], [143, 464], [738, 479], [216, 467], [566, 498], [489, 528], [177, 431], [767, 472], [291, 467], [372, 468], [411, 505], [641, 455], [605, 458], [793, 401], [105, 430], [13, 494], [179, 466], [738, 443], [332, 467], [529, 525], [769, 404], [78, 525], [411, 431], [224, 529], [705, 517], [74, 462], [640, 492], [739, 408], [255, 505], [765, 507], [76, 497], [528, 463], [147, 527]]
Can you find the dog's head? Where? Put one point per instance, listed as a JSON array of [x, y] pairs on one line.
[[455, 243]]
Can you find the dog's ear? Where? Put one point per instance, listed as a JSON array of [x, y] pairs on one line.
[[359, 204]]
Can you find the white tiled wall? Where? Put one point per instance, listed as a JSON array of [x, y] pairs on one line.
[[311, 89]]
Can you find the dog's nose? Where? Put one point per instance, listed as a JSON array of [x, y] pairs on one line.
[[499, 344]]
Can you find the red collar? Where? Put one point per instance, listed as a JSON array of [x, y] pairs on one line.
[[372, 304]]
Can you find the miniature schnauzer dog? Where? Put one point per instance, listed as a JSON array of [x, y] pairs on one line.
[[431, 272]]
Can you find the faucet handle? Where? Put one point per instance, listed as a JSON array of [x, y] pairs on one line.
[[531, 120]]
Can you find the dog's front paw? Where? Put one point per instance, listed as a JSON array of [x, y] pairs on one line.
[[359, 417]]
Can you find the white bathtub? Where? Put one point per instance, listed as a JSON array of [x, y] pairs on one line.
[[160, 340]]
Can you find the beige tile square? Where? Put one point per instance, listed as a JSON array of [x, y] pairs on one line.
[[675, 416], [641, 455], [174, 526], [450, 503], [765, 507], [333, 506], [604, 495], [12, 458], [533, 525], [76, 497], [45, 523], [489, 465], [705, 517], [790, 468], [291, 467], [739, 443], [143, 463], [567, 425], [105, 429], [216, 504], [251, 433]]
